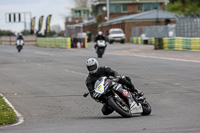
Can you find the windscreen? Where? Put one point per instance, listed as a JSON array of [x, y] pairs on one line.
[[98, 82], [117, 32]]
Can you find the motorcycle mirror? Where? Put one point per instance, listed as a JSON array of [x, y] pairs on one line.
[[86, 94]]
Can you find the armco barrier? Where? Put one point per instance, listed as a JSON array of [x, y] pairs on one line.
[[180, 43], [151, 40], [131, 40], [176, 43], [195, 44], [139, 40], [136, 40], [54, 42], [158, 43], [61, 42]]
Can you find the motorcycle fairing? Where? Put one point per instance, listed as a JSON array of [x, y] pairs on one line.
[[101, 43], [19, 42], [99, 85], [100, 88]]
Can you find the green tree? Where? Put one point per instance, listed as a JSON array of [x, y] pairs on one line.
[[25, 32], [184, 6], [5, 32]]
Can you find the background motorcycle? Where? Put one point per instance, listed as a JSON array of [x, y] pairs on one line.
[[100, 48], [19, 44], [120, 99]]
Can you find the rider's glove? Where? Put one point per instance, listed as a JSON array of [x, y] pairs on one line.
[[96, 95], [117, 78]]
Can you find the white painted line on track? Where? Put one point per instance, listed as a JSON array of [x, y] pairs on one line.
[[154, 57], [43, 53], [40, 64], [76, 72], [19, 116]]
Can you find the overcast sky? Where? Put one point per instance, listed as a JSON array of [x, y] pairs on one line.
[[58, 8]]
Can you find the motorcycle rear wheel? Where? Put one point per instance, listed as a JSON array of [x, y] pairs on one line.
[[118, 109]]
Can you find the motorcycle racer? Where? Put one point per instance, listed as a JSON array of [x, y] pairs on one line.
[[96, 71], [100, 36]]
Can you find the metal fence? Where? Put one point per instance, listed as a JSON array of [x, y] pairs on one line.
[[72, 31], [154, 31], [186, 26]]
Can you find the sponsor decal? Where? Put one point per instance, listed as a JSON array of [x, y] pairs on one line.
[[130, 102], [99, 87], [118, 86], [106, 87], [107, 82], [125, 93], [115, 86]]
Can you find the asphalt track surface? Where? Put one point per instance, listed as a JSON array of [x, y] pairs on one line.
[[45, 85]]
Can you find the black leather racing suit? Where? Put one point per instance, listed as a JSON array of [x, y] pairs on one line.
[[20, 38], [99, 37], [106, 71]]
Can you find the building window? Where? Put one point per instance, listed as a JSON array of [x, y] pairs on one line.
[[85, 14], [115, 8], [155, 6], [78, 13], [140, 7], [147, 7], [99, 10], [124, 8]]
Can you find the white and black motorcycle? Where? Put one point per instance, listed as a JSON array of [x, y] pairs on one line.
[[100, 48], [19, 44], [120, 99]]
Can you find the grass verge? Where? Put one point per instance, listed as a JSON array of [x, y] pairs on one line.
[[7, 114]]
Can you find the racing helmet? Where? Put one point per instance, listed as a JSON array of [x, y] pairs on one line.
[[100, 33], [92, 65]]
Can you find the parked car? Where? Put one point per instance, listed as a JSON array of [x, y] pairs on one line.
[[115, 35]]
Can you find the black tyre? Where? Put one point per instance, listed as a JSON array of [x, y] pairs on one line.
[[19, 48], [122, 41], [116, 106], [146, 108], [100, 53], [99, 56]]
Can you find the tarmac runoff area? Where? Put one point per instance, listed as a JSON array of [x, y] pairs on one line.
[[148, 51]]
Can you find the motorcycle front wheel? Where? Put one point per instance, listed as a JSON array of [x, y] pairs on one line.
[[19, 50], [146, 108], [121, 109], [100, 53]]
